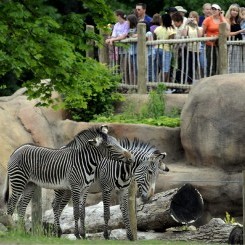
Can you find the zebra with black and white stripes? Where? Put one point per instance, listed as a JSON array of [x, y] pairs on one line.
[[117, 175], [145, 169], [69, 168]]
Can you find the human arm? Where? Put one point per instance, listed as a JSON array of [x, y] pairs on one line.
[[113, 39], [234, 33]]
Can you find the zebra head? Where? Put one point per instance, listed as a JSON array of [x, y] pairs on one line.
[[149, 172], [111, 148]]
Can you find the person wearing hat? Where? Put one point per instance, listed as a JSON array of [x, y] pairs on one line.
[[182, 11], [171, 10], [211, 29]]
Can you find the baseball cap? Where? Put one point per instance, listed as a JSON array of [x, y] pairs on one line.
[[216, 6]]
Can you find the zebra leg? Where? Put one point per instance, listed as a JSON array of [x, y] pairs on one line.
[[62, 197], [106, 197], [24, 200], [124, 195], [82, 212], [17, 189], [75, 193]]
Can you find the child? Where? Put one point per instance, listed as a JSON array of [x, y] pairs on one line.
[[192, 30]]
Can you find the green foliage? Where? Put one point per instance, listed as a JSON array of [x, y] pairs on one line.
[[152, 113], [156, 104], [45, 52], [228, 219]]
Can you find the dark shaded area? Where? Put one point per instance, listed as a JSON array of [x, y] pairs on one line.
[[187, 205], [236, 236]]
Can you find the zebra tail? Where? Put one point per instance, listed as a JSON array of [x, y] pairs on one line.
[[6, 190]]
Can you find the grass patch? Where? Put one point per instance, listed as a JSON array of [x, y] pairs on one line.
[[15, 237]]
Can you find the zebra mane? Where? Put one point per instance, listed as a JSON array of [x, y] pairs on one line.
[[137, 144], [83, 136]]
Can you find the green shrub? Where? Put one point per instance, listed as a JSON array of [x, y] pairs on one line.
[[152, 113]]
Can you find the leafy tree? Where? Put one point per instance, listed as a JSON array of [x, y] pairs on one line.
[[38, 43]]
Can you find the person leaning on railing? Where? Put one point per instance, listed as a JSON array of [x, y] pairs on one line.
[[233, 17], [192, 30], [210, 29]]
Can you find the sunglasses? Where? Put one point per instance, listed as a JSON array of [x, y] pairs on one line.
[[214, 8]]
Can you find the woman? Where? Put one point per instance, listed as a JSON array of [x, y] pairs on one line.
[[210, 29], [164, 55], [119, 32], [120, 29], [233, 17]]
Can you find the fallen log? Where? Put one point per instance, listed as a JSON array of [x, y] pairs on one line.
[[169, 209], [166, 209], [216, 231]]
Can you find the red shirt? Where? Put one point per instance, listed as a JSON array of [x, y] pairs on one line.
[[212, 29]]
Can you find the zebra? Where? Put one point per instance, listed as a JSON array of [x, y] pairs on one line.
[[145, 169], [112, 174], [69, 168]]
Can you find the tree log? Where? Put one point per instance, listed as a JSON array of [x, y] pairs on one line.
[[166, 209], [169, 209]]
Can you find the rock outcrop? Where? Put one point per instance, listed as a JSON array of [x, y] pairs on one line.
[[212, 123]]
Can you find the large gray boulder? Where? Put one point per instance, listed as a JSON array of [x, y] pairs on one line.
[[213, 119]]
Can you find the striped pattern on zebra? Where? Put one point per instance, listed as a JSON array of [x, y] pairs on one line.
[[69, 168], [145, 169], [116, 175]]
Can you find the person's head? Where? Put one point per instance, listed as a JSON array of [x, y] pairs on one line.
[[171, 10], [177, 19], [120, 15], [140, 9], [194, 15], [181, 10], [156, 19], [234, 13], [243, 13], [193, 19], [215, 9], [206, 9], [133, 21], [166, 20]]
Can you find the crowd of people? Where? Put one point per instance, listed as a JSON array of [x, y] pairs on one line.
[[174, 23]]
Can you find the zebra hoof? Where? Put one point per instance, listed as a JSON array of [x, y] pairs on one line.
[[77, 236], [107, 235]]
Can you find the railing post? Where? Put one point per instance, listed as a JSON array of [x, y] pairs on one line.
[[103, 50], [243, 205], [132, 208], [222, 57], [141, 58], [37, 212], [90, 43]]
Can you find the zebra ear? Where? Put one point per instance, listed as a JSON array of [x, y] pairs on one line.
[[104, 129]]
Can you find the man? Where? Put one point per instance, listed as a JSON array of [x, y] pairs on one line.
[[141, 14], [182, 11]]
